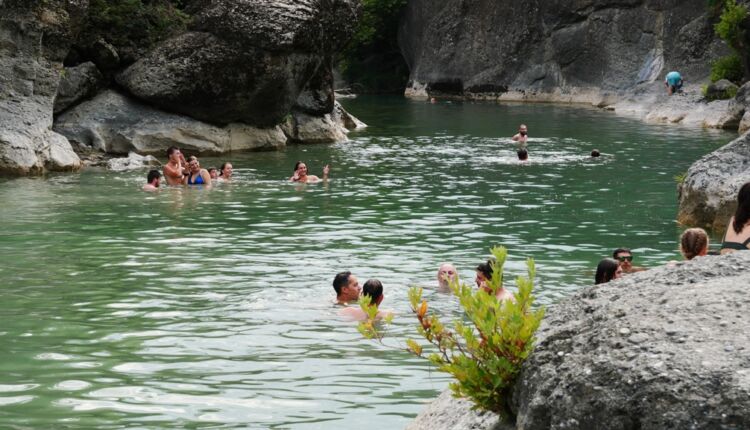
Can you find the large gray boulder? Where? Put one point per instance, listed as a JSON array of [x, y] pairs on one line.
[[77, 83], [34, 38], [243, 61], [661, 349], [708, 195], [561, 51], [116, 124]]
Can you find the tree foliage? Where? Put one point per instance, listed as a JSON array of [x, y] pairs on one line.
[[733, 29], [484, 352]]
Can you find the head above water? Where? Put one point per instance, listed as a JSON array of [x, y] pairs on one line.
[[607, 270], [213, 173], [173, 150], [374, 290], [523, 154], [693, 243], [595, 153], [346, 286], [523, 130], [484, 275], [300, 167], [742, 214], [225, 171], [153, 175], [624, 257], [446, 274]]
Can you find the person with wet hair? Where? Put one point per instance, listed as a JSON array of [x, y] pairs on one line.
[[607, 270], [595, 153], [446, 274], [153, 180], [346, 287], [373, 289], [737, 237], [225, 172], [484, 275], [213, 173], [300, 174], [694, 243]]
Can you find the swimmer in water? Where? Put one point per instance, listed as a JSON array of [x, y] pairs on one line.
[[153, 178], [197, 175], [521, 137], [225, 172], [374, 290], [213, 173], [484, 275], [446, 274], [300, 174]]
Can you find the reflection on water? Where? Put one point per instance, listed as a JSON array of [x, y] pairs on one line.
[[213, 307]]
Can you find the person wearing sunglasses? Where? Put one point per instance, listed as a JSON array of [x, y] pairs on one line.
[[625, 259]]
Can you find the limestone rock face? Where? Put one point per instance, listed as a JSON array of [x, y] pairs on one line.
[[245, 60], [720, 89], [116, 124], [132, 161], [661, 349], [34, 38], [708, 196], [77, 83], [553, 50]]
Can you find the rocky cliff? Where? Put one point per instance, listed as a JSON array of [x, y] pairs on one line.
[[244, 75], [34, 38], [598, 52], [662, 349]]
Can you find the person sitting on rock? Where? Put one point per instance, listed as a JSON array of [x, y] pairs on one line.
[[673, 82], [484, 275], [625, 257], [300, 174], [607, 270], [153, 180], [737, 237], [693, 243], [176, 168], [374, 290], [347, 288], [446, 274]]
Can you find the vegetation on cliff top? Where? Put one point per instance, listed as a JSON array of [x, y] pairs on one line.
[[372, 61], [732, 27]]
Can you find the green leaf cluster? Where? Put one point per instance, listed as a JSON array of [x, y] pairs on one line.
[[485, 352], [729, 67], [730, 26], [134, 23]]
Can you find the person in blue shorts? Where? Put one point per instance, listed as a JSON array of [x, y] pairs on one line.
[[673, 82]]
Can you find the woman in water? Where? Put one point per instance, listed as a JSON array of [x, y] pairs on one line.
[[607, 270], [300, 174], [374, 290], [225, 172], [737, 237], [693, 243], [197, 175]]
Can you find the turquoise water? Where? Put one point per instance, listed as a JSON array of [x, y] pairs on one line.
[[198, 308]]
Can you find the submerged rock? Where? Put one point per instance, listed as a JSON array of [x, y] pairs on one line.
[[245, 61], [661, 349], [708, 195], [34, 38], [116, 124]]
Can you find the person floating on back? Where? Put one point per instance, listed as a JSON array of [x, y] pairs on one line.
[[374, 290], [673, 82], [625, 259], [153, 180]]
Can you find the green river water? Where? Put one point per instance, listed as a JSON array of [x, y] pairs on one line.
[[195, 308]]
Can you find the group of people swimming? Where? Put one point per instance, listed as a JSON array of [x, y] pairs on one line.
[[694, 242], [522, 138], [182, 171]]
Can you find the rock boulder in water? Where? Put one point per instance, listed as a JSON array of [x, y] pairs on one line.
[[243, 61], [661, 349], [708, 195], [34, 38]]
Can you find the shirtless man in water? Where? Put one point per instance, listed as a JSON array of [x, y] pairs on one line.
[[300, 174], [176, 168], [484, 274]]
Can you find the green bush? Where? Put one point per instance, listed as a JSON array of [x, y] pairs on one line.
[[485, 353], [730, 26], [134, 24], [729, 67]]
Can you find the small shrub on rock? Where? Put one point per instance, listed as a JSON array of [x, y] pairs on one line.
[[729, 68], [484, 352]]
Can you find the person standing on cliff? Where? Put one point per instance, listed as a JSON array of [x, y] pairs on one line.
[[175, 169], [673, 82], [522, 138]]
